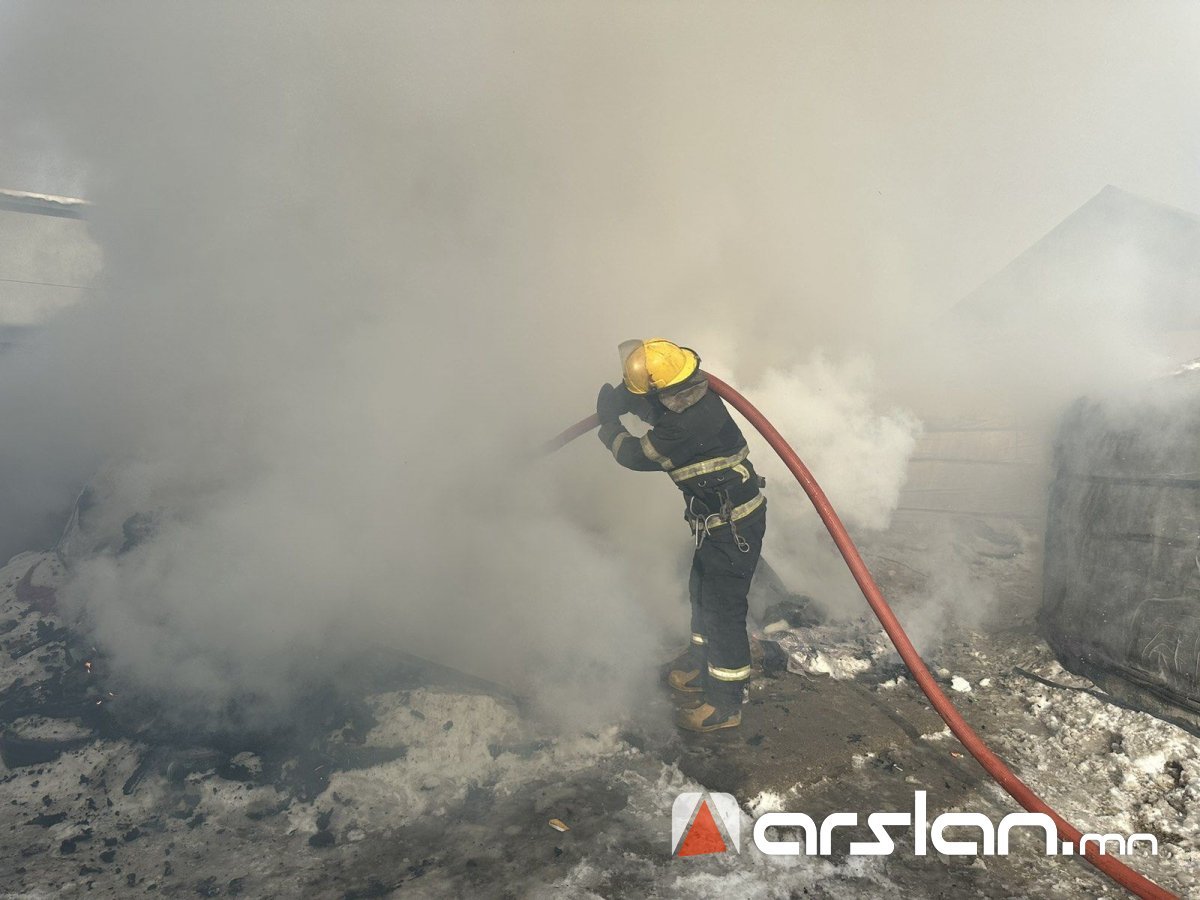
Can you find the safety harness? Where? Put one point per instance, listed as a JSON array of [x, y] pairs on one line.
[[701, 519], [703, 523]]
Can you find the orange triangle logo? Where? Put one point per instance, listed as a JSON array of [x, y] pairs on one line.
[[703, 836]]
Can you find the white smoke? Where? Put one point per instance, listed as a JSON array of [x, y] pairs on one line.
[[357, 261], [857, 452]]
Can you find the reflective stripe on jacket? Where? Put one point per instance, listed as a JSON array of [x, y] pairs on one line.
[[695, 440]]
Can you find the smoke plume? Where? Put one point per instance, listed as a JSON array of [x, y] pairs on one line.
[[356, 262]]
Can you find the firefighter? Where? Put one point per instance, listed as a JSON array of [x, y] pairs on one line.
[[694, 440]]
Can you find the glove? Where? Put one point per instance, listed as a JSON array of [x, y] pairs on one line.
[[609, 404]]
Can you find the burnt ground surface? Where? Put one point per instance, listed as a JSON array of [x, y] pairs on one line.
[[849, 746], [435, 785]]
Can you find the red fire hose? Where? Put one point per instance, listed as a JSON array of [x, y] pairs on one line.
[[992, 764]]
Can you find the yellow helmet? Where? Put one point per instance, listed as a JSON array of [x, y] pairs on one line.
[[656, 364]]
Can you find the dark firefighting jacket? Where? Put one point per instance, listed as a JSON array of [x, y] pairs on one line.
[[694, 440]]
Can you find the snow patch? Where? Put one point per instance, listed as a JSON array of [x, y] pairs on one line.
[[841, 651], [832, 664], [765, 802]]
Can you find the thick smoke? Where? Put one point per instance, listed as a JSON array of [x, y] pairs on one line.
[[857, 452], [358, 261]]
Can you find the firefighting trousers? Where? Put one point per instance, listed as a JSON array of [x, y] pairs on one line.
[[719, 585]]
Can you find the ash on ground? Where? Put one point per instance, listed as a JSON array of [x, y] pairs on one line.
[[430, 784]]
